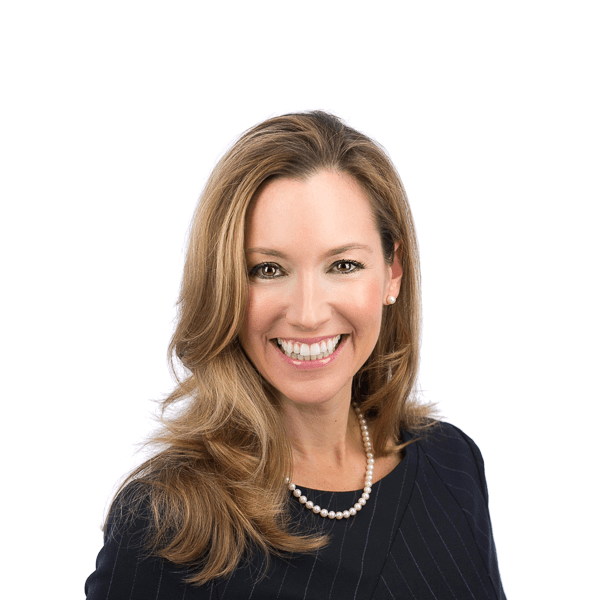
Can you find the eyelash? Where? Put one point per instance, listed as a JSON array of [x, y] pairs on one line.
[[255, 271]]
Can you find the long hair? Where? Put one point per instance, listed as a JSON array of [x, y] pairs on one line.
[[215, 488]]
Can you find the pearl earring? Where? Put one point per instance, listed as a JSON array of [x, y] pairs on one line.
[[391, 299]]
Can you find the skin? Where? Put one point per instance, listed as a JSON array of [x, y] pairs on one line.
[[302, 286]]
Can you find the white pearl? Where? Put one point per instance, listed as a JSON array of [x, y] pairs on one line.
[[323, 512]]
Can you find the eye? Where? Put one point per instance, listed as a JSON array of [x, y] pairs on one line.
[[266, 271], [347, 266]]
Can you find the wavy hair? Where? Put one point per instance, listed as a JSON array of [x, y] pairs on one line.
[[214, 491]]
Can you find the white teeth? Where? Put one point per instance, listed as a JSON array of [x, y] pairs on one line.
[[300, 351]]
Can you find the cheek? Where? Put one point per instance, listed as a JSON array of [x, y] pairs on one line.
[[261, 312], [363, 305]]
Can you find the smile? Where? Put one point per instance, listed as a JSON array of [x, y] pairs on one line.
[[308, 352]]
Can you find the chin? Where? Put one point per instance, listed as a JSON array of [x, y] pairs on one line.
[[313, 394]]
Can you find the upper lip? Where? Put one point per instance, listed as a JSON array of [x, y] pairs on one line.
[[313, 340]]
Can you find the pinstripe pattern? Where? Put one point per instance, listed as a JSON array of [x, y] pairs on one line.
[[444, 542], [366, 545], [283, 579], [425, 534], [340, 560], [463, 545]]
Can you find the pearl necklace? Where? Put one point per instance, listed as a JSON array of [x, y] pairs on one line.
[[368, 479]]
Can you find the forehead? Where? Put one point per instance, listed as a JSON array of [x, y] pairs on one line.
[[329, 207]]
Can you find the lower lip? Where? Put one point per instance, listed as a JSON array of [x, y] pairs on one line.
[[306, 365]]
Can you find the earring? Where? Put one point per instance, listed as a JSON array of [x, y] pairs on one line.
[[391, 299]]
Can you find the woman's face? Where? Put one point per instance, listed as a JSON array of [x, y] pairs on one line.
[[318, 285]]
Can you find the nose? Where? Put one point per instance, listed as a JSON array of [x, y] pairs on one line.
[[309, 304]]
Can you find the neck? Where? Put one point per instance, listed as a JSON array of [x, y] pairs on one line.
[[327, 447]]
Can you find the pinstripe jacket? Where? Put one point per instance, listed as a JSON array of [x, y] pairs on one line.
[[425, 533]]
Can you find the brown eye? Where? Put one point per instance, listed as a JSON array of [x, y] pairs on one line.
[[266, 271], [347, 266]]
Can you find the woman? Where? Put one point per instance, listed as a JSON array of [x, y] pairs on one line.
[[298, 463]]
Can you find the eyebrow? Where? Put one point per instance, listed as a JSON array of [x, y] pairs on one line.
[[332, 252]]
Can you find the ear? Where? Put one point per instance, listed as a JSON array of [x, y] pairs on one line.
[[394, 286]]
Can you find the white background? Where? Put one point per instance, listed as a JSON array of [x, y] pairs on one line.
[[113, 115]]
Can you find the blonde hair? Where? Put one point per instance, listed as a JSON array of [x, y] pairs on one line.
[[214, 490]]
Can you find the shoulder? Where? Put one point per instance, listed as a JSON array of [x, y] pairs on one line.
[[129, 516], [445, 437], [124, 566], [452, 454], [450, 484]]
